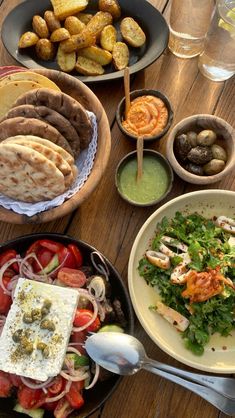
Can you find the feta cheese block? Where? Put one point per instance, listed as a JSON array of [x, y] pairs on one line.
[[37, 329]]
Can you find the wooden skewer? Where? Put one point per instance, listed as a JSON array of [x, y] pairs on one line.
[[140, 147], [127, 90]]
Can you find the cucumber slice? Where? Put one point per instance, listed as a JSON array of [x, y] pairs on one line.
[[34, 413], [111, 328]]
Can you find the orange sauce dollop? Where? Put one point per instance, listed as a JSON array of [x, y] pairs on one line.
[[146, 117]]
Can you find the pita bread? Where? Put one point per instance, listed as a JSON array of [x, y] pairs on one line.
[[68, 157], [29, 76], [24, 126], [27, 175], [11, 91], [50, 116], [66, 106], [48, 152]]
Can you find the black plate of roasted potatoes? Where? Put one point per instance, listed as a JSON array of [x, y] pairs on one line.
[[92, 40]]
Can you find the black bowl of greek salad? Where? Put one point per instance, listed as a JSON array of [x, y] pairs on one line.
[[54, 292]]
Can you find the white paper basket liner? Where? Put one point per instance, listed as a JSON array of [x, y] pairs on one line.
[[84, 164]]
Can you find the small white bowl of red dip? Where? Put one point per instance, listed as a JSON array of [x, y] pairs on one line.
[[149, 116]]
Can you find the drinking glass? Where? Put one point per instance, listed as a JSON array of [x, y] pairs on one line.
[[189, 22], [217, 61]]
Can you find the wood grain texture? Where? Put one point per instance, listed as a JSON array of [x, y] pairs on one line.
[[110, 224]]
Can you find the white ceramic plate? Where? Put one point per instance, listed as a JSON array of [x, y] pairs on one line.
[[219, 360]]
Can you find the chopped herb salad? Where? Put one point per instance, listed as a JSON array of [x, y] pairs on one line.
[[192, 265]]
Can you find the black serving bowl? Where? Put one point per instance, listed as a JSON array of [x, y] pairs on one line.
[[120, 113], [96, 396], [133, 156]]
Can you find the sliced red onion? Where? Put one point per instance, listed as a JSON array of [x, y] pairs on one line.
[[58, 397], [76, 378], [2, 271], [101, 311], [95, 378], [94, 316], [96, 288], [59, 266], [101, 268], [30, 383], [73, 350]]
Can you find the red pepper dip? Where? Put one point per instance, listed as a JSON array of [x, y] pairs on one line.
[[146, 117]]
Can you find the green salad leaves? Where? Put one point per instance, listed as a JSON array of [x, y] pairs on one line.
[[208, 248]]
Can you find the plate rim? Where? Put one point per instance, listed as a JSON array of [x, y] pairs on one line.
[[179, 357], [115, 75]]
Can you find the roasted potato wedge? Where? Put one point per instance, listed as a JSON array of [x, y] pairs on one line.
[[28, 39], [74, 25], [96, 54], [98, 22], [81, 40], [63, 9], [52, 22], [132, 32], [84, 17], [40, 27], [120, 55], [60, 35], [108, 37], [88, 67], [45, 49], [111, 6], [65, 61]]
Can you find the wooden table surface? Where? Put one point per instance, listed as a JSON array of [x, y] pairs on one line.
[[110, 224]]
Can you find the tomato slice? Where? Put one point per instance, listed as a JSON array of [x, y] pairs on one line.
[[79, 338], [77, 254], [82, 317], [5, 300], [30, 398], [15, 380], [57, 387], [7, 256], [5, 385], [74, 396], [71, 277]]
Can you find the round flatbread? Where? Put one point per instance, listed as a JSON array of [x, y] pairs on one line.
[[52, 117], [29, 76], [24, 126], [27, 175], [66, 106], [11, 91]]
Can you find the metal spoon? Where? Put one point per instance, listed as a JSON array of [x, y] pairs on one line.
[[125, 355]]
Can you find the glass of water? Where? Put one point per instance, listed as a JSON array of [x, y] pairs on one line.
[[189, 22], [217, 61]]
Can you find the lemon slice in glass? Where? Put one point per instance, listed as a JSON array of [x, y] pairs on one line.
[[227, 26]]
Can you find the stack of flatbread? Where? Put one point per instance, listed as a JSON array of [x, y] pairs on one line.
[[42, 131]]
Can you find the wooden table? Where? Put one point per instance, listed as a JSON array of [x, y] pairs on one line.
[[110, 224]]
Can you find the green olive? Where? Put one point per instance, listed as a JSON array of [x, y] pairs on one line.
[[47, 324], [218, 152], [41, 345], [27, 318], [36, 314], [213, 167], [47, 304], [18, 334], [206, 138], [46, 352], [192, 137], [28, 349]]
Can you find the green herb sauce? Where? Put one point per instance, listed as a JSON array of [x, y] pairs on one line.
[[152, 185]]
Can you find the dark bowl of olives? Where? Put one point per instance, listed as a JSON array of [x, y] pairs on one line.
[[201, 149]]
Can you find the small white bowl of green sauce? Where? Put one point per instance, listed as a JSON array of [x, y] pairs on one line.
[[152, 187]]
